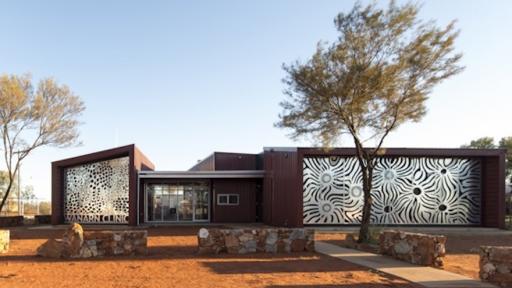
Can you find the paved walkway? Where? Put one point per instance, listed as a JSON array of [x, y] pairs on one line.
[[443, 230], [426, 276]]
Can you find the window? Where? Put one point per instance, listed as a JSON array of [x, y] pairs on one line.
[[227, 199]]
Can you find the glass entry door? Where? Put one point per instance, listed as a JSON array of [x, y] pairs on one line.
[[177, 202]]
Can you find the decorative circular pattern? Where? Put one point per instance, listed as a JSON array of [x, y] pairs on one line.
[[326, 207], [389, 175], [405, 191], [356, 191], [326, 178]]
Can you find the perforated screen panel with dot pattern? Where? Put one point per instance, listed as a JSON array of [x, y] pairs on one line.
[[97, 192]]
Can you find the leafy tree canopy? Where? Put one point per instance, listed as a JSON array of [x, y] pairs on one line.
[[376, 76], [481, 143], [32, 117]]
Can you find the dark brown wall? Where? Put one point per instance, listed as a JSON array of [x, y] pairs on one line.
[[137, 162], [493, 192], [282, 189], [140, 163], [228, 161], [245, 211], [235, 161], [207, 164]]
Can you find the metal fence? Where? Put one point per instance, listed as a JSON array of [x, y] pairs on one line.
[[26, 207]]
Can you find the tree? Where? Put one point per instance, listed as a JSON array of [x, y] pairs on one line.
[[27, 193], [32, 118], [375, 77], [481, 143], [4, 182]]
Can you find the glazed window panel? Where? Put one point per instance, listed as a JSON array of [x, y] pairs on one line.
[[227, 199], [406, 190], [97, 192]]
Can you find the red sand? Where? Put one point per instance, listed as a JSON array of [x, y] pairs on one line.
[[172, 262]]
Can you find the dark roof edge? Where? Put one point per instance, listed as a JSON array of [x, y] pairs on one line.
[[103, 154], [395, 151], [203, 174]]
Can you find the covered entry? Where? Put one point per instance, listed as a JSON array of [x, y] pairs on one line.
[[178, 202], [174, 197]]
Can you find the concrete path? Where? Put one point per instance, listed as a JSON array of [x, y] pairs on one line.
[[426, 276], [442, 230]]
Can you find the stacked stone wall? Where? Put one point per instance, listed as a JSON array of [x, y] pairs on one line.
[[76, 243], [415, 248], [241, 241], [496, 265]]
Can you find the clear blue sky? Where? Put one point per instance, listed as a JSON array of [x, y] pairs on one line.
[[184, 78]]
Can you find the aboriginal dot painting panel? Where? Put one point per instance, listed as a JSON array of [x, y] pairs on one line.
[[97, 192], [405, 190]]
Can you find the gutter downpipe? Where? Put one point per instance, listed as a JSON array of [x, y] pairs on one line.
[[138, 196]]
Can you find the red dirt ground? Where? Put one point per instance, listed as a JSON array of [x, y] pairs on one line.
[[462, 250], [173, 262]]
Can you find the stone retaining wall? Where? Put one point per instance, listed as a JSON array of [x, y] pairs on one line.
[[241, 241], [11, 221], [496, 265], [4, 241], [76, 243], [415, 248]]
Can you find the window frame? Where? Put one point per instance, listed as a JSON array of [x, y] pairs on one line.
[[228, 203]]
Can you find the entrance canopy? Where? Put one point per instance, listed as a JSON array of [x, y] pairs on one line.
[[197, 196], [203, 174]]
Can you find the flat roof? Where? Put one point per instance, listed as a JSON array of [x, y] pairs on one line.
[[203, 174], [410, 152]]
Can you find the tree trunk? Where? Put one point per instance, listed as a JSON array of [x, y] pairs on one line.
[[367, 173], [6, 195], [364, 235]]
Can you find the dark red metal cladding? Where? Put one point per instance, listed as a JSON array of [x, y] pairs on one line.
[[493, 191], [235, 161], [282, 189], [246, 190], [207, 164], [228, 161], [138, 162]]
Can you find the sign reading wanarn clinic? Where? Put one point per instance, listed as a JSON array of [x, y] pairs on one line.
[[97, 192], [96, 218]]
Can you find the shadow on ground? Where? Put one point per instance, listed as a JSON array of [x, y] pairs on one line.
[[273, 265]]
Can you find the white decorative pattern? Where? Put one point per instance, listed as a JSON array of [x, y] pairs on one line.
[[97, 192], [405, 191]]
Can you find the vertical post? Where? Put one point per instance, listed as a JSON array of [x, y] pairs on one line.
[[19, 192]]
